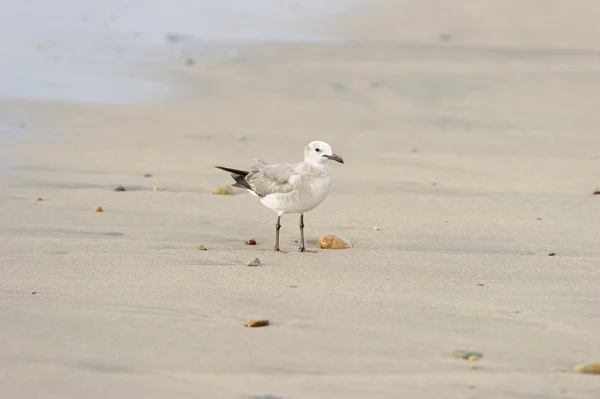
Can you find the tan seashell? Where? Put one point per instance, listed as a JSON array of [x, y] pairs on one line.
[[98, 209], [257, 323], [155, 188], [202, 248], [223, 191], [593, 368], [330, 241]]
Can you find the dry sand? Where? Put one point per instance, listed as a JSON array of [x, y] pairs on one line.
[[475, 161]]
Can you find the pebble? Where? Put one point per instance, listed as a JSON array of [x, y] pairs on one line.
[[173, 37], [375, 228], [202, 248], [593, 368], [551, 254], [251, 242], [190, 61], [468, 355], [257, 323], [120, 188], [223, 191], [98, 209], [596, 191], [155, 188], [330, 241], [40, 199], [33, 293], [147, 174], [254, 262]]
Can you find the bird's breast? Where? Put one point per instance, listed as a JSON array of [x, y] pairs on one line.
[[308, 195]]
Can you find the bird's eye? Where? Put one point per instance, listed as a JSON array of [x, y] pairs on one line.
[[317, 149]]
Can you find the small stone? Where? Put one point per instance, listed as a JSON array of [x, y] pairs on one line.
[[173, 37], [155, 188], [330, 241], [596, 191], [551, 254], [223, 191], [480, 285], [257, 323], [375, 228], [120, 188], [593, 368], [98, 209], [40, 199], [201, 247], [190, 61], [538, 219], [254, 262], [147, 174], [468, 355], [251, 242], [33, 293]]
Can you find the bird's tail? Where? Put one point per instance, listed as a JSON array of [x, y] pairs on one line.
[[239, 176], [243, 173]]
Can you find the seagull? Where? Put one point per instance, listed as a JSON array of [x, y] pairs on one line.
[[290, 187]]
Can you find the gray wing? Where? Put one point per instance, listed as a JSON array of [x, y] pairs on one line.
[[272, 179]]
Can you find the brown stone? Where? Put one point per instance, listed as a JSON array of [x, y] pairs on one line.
[[330, 241], [257, 323], [98, 209]]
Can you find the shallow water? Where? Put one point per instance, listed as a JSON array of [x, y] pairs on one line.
[[89, 51]]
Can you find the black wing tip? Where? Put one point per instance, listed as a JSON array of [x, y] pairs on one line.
[[234, 171]]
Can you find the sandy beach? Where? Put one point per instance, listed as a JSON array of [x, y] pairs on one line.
[[474, 151]]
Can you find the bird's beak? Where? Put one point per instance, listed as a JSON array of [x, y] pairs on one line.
[[334, 157]]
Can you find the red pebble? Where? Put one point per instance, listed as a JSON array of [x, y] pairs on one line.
[[250, 242]]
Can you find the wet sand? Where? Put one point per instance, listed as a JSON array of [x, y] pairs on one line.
[[475, 161]]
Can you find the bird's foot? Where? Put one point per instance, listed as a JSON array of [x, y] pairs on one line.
[[301, 249]]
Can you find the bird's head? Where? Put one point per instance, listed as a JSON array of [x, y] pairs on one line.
[[319, 152]]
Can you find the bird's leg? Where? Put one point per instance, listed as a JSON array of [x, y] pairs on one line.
[[277, 227], [301, 232]]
